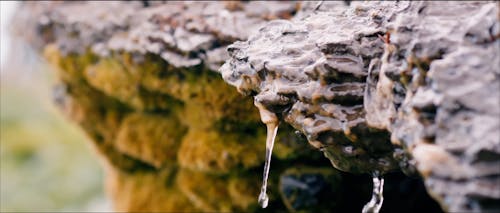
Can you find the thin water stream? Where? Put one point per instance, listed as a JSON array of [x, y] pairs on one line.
[[271, 121], [377, 196]]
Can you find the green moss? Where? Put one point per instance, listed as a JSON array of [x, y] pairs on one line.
[[214, 152], [214, 193], [146, 117], [154, 139], [147, 192]]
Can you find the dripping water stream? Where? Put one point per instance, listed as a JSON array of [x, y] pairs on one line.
[[272, 129], [377, 196], [271, 121]]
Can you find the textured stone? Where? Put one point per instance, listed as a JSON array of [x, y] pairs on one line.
[[142, 83], [141, 80], [154, 139], [151, 197], [424, 74], [317, 82]]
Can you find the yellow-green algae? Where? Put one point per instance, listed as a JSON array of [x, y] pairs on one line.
[[174, 139]]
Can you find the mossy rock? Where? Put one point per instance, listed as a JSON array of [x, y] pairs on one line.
[[154, 139]]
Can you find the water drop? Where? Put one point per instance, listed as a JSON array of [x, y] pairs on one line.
[[271, 121], [349, 150], [377, 196]]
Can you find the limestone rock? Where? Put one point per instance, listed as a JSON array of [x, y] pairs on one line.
[[317, 82], [141, 79], [422, 75]]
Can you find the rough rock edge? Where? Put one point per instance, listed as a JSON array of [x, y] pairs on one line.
[[183, 33], [74, 36], [437, 66]]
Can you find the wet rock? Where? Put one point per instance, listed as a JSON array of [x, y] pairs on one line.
[[364, 81], [448, 119], [141, 80], [317, 82]]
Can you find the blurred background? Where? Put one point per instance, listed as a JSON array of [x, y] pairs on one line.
[[45, 162]]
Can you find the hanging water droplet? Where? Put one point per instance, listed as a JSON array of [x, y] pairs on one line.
[[263, 198], [348, 150], [377, 196], [271, 121]]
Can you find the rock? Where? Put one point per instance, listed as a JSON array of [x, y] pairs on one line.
[[143, 84], [355, 78], [451, 102], [154, 139], [142, 80], [129, 193], [317, 82]]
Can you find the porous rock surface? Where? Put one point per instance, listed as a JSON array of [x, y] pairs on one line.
[[382, 86], [422, 75], [141, 80]]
